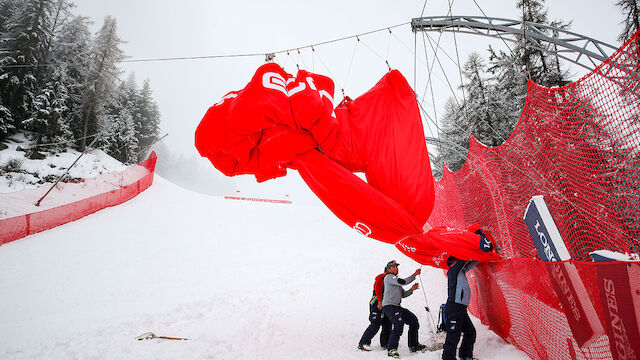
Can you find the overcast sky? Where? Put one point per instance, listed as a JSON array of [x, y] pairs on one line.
[[185, 89]]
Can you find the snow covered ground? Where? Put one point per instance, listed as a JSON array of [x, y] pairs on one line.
[[18, 172], [23, 181], [241, 280]]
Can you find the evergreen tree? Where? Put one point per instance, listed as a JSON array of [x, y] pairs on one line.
[[631, 11], [542, 67], [132, 113], [455, 129], [102, 77], [436, 164], [27, 32], [495, 96], [71, 53], [534, 59], [510, 84], [49, 119], [58, 82], [7, 11], [129, 95], [147, 120], [5, 121], [60, 15], [485, 113], [119, 140]]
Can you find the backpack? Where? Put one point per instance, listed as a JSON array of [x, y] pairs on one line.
[[441, 327]]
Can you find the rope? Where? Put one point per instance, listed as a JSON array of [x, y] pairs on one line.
[[301, 58], [433, 100], [345, 38], [293, 60], [69, 168], [222, 56], [415, 62], [453, 93], [435, 55], [376, 53], [493, 26], [157, 140], [433, 323], [59, 142], [524, 42], [423, 7], [454, 96], [464, 97], [317, 54], [350, 64], [429, 117], [389, 43]]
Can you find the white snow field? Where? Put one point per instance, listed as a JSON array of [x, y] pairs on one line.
[[240, 280]]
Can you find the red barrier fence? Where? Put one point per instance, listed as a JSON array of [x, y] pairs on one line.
[[20, 226], [518, 300], [258, 199], [579, 146]]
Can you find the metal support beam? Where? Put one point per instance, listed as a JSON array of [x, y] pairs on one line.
[[575, 48]]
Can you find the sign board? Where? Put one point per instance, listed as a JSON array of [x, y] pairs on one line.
[[544, 232], [569, 288], [619, 285]]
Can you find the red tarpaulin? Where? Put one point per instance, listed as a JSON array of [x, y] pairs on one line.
[[279, 121]]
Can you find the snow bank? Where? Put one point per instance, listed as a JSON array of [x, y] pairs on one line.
[[18, 172], [24, 181]]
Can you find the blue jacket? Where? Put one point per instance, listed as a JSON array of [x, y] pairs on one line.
[[458, 286]]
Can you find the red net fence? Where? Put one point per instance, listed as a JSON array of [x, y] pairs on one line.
[[125, 185], [579, 147]]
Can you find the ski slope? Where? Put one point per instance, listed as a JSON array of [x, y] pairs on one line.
[[241, 280]]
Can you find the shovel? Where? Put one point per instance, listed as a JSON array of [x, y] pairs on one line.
[[150, 335]]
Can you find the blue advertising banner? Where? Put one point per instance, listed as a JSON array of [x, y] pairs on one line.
[[544, 232], [565, 279]]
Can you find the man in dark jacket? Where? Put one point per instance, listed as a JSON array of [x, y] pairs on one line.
[[455, 311], [376, 317], [457, 320]]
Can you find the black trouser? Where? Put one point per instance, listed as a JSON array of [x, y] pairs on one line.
[[398, 317], [376, 319], [458, 322]]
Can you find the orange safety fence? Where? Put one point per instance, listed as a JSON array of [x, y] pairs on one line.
[[579, 147], [17, 227]]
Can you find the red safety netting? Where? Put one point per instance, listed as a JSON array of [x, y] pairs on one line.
[[579, 146], [131, 182]]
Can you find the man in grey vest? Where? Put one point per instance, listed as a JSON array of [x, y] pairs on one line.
[[393, 294]]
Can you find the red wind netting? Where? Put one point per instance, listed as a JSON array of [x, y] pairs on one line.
[[578, 146], [127, 184]]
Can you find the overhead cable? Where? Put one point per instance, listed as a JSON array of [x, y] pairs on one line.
[[203, 57]]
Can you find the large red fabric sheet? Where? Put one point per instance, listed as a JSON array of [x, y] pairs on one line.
[[279, 121]]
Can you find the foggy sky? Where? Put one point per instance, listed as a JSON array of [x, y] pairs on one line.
[[185, 89]]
